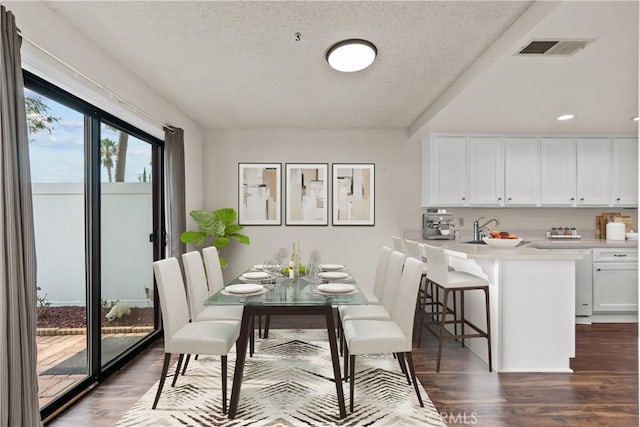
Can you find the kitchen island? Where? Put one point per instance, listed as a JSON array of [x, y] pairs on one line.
[[532, 295]]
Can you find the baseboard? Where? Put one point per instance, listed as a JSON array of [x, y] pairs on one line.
[[614, 318]]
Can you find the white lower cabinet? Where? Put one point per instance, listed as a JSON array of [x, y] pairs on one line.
[[615, 281]]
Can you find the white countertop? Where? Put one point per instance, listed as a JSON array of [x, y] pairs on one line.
[[536, 250]]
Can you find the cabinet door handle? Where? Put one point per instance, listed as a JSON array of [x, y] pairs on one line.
[[618, 199], [598, 269], [509, 198], [572, 199], [499, 198], [619, 255], [582, 199], [464, 198]]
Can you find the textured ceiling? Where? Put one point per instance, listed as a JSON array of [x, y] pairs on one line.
[[525, 94], [238, 65]]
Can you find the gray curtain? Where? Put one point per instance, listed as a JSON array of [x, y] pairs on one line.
[[174, 190], [18, 376]]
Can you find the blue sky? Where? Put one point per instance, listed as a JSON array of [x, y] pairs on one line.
[[59, 156]]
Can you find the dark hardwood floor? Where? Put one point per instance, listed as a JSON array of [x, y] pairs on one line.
[[602, 391]]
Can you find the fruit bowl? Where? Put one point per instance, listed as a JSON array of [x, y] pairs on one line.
[[502, 243]]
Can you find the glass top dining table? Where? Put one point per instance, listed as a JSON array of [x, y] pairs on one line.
[[282, 290], [285, 296]]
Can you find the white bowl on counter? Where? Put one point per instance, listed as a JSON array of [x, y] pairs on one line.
[[445, 232], [502, 243]]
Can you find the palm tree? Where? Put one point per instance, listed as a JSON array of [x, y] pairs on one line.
[[121, 153], [108, 149], [121, 156]]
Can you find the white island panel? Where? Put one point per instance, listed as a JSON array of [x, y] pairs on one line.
[[537, 310]]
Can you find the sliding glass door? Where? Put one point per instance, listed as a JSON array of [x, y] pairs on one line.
[[126, 218], [56, 137], [97, 202]]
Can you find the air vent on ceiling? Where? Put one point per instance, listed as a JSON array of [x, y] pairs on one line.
[[553, 47]]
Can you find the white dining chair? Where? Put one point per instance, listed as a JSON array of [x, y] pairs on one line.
[[184, 337], [387, 336], [374, 296], [215, 280], [374, 309], [391, 269], [197, 291], [398, 244]]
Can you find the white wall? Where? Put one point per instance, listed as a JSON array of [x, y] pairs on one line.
[[40, 24], [397, 168]]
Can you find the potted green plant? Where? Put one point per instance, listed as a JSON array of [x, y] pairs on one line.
[[216, 228]]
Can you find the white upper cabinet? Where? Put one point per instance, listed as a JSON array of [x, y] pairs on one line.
[[558, 171], [522, 171], [593, 162], [448, 171], [486, 171], [530, 171], [624, 188]]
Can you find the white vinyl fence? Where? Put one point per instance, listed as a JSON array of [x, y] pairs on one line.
[[127, 254]]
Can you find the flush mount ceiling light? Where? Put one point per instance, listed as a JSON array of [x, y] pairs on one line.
[[566, 117], [351, 55]]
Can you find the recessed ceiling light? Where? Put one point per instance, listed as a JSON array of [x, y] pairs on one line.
[[566, 117], [635, 118], [351, 55]]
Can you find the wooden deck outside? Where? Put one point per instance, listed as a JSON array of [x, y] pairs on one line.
[[54, 349]]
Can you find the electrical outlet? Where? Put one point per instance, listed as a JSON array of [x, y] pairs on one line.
[[460, 221]]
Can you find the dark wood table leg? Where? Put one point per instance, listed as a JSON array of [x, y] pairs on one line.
[[241, 355], [253, 335], [333, 345]]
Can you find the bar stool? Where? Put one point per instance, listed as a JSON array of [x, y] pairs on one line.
[[454, 282]]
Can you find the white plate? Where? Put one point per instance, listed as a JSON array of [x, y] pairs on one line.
[[258, 267], [244, 288], [256, 275], [335, 288], [333, 275], [329, 267]]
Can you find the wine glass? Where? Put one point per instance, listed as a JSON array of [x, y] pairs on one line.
[[281, 257]]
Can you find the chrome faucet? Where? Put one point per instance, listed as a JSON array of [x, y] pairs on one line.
[[477, 227]]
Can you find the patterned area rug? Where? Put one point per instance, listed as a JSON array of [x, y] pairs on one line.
[[288, 382]]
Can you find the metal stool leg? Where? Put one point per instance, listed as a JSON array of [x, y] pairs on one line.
[[442, 323]]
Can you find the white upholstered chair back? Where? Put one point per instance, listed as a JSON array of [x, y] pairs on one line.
[[381, 272], [391, 279], [398, 244], [214, 270], [173, 301], [403, 311], [196, 282]]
